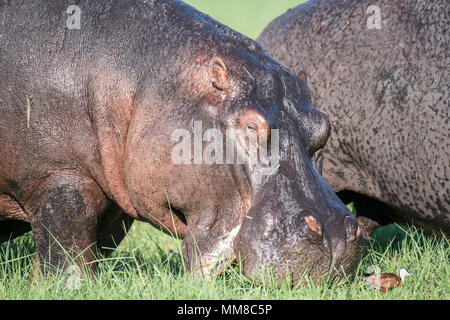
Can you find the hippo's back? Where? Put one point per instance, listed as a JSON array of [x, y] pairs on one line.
[[381, 73]]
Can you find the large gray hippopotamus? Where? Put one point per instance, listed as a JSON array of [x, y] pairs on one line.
[[97, 101], [380, 70]]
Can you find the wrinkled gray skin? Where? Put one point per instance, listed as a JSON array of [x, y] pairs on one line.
[[86, 121], [387, 95]]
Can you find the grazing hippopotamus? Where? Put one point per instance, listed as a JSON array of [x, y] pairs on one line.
[[379, 69], [91, 112]]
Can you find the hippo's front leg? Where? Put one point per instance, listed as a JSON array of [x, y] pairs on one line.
[[64, 211]]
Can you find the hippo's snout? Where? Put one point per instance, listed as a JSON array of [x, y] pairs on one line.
[[350, 227], [292, 244]]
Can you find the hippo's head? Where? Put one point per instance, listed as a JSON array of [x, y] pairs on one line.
[[280, 213]]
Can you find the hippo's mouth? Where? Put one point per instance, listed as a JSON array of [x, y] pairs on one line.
[[222, 255]]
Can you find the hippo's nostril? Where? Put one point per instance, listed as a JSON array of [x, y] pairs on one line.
[[352, 228], [313, 224], [358, 232]]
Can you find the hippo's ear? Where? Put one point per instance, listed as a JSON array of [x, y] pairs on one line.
[[218, 73]]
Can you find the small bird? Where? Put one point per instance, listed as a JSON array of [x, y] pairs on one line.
[[386, 281]]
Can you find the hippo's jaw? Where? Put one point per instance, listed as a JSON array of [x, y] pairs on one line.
[[297, 224], [297, 243]]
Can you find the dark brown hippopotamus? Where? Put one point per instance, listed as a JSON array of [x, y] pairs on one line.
[[379, 69], [92, 100]]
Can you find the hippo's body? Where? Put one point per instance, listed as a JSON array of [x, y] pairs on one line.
[[381, 73], [87, 123]]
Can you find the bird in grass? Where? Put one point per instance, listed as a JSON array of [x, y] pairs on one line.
[[386, 281]]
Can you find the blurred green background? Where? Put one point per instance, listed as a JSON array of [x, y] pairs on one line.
[[246, 16]]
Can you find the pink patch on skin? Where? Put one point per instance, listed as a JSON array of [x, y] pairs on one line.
[[313, 224]]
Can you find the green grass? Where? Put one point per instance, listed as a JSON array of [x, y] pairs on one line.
[[148, 265], [246, 16]]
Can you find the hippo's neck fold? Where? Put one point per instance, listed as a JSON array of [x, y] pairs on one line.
[[111, 103]]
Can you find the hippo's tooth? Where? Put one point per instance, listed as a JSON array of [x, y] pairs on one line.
[[222, 254]]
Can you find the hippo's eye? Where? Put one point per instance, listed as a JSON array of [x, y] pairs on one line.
[[216, 86]]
